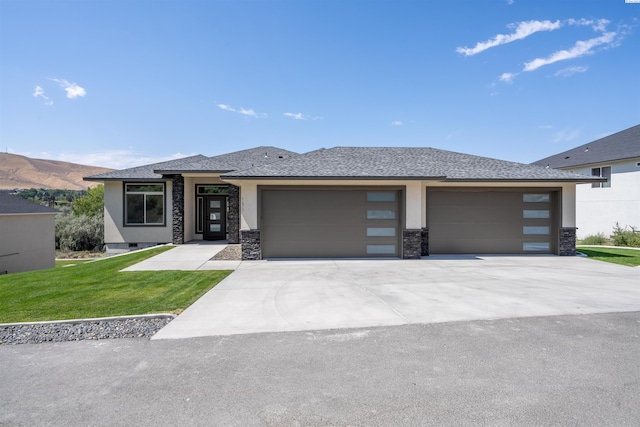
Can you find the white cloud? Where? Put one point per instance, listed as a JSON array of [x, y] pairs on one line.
[[566, 135], [510, 2], [522, 30], [297, 116], [599, 25], [250, 112], [570, 71], [507, 77], [581, 48], [38, 92], [545, 127], [73, 89], [397, 123]]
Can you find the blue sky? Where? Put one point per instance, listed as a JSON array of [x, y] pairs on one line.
[[122, 83]]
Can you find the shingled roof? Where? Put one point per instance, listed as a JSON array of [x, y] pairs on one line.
[[402, 163], [17, 205], [217, 164], [146, 172], [619, 146], [233, 161]]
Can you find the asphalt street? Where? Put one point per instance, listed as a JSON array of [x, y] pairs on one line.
[[557, 370]]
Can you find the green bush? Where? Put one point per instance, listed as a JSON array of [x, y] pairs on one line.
[[627, 236], [594, 239], [79, 232]]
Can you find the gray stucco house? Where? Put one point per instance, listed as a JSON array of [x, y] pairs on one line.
[[27, 235], [345, 202], [601, 205]]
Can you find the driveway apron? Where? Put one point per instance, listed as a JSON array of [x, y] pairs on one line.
[[297, 295]]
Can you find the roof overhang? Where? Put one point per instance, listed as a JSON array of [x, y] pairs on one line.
[[200, 171], [332, 178], [127, 179]]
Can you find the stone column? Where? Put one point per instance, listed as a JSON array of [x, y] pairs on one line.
[[424, 247], [178, 209], [567, 244], [411, 244], [233, 219], [250, 244]]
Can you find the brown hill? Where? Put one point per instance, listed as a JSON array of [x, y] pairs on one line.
[[24, 172]]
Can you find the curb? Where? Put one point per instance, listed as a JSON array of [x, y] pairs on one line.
[[93, 319]]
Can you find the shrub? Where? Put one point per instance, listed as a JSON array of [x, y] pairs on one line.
[[594, 239], [79, 232], [91, 204], [627, 236]]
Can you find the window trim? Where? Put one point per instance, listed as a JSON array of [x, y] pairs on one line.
[[164, 203], [599, 170]]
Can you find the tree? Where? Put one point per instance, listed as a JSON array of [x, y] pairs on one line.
[[91, 204]]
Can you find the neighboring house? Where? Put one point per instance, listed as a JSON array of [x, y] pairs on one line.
[[345, 202], [27, 235], [601, 205]]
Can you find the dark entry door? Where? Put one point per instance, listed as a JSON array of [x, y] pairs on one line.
[[215, 218]]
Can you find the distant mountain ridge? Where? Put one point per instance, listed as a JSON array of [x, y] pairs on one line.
[[20, 172]]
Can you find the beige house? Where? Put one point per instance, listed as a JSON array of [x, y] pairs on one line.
[[27, 235], [345, 202]]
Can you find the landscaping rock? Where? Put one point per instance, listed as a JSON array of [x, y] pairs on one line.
[[89, 330]]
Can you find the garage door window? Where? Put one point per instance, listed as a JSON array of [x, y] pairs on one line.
[[535, 246], [535, 198], [381, 249], [532, 214], [543, 230], [381, 231], [381, 196], [376, 214]]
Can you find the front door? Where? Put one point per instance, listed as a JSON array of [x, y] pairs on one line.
[[215, 218]]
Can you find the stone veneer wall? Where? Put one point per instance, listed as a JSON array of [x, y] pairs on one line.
[[411, 244], [178, 209], [250, 244], [424, 247], [567, 245], [233, 218]]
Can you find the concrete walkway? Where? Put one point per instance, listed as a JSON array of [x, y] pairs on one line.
[[194, 255], [296, 295]]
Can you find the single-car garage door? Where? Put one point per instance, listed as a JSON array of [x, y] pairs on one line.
[[481, 221], [330, 223]]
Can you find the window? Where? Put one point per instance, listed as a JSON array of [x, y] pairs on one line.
[[381, 249], [535, 198], [381, 196], [532, 213], [603, 172], [144, 204], [381, 214], [535, 246], [214, 190]]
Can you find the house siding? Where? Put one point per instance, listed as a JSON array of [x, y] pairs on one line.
[[598, 209], [119, 238], [28, 242]]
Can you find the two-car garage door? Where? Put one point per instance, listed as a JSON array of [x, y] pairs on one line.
[[329, 222]]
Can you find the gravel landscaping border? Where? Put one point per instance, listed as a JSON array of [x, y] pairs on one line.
[[83, 329], [230, 253]]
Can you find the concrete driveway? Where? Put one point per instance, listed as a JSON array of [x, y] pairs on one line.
[[296, 295]]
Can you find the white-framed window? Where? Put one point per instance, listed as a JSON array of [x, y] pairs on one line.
[[144, 204], [602, 172]]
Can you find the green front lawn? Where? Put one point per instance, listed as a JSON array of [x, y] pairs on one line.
[[628, 257], [98, 289]]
